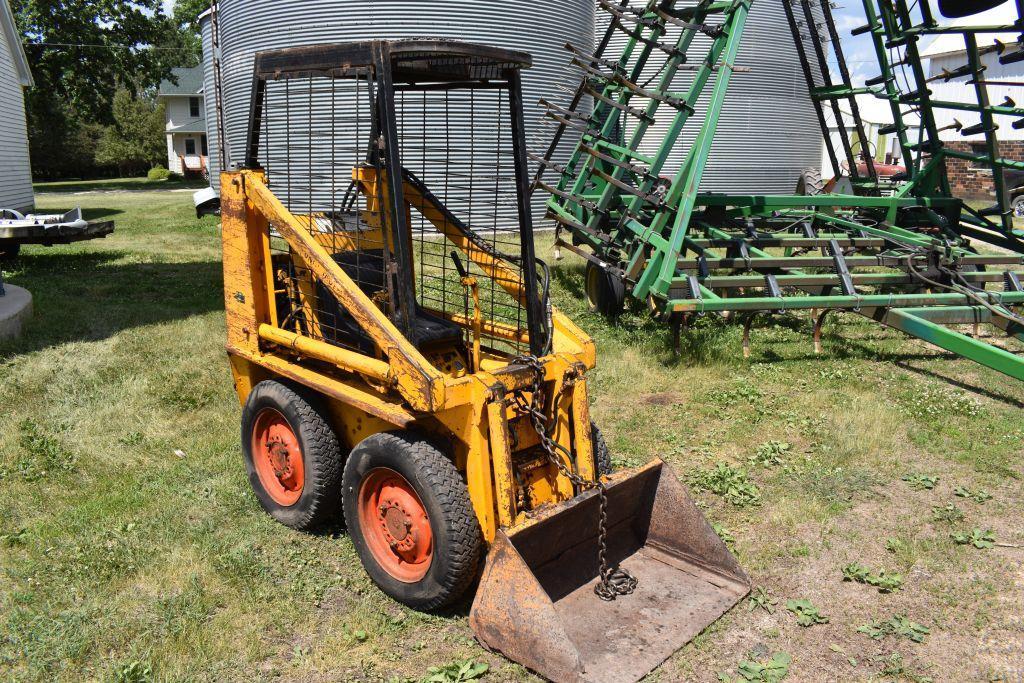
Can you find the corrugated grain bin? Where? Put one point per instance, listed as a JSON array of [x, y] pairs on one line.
[[768, 132], [250, 26]]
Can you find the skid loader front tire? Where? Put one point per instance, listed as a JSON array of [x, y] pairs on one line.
[[411, 520], [292, 455]]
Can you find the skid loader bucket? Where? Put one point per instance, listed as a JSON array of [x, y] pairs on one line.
[[536, 601]]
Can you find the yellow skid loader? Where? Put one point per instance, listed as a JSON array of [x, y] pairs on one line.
[[398, 360]]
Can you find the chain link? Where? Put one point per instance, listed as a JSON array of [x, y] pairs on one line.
[[613, 581]]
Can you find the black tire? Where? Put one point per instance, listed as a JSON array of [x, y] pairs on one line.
[[457, 540], [9, 252], [319, 500], [1018, 206], [606, 294], [810, 183], [602, 456]]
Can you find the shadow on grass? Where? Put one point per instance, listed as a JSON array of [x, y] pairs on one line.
[[92, 296], [903, 362]]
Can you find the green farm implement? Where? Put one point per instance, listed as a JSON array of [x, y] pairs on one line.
[[900, 249]]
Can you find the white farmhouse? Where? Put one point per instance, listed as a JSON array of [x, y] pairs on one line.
[[185, 111], [15, 169]]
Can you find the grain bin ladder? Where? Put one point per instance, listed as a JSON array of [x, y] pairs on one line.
[[902, 251]]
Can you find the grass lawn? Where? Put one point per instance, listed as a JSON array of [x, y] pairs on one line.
[[131, 547], [118, 184]]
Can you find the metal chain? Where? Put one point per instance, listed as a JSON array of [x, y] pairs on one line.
[[613, 581]]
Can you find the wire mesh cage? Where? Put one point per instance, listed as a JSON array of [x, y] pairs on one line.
[[410, 172]]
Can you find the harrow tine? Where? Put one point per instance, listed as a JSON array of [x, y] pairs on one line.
[[559, 109], [632, 168], [594, 59], [615, 104]]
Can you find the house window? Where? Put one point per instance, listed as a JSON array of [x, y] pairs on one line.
[[202, 145], [190, 146], [193, 107]]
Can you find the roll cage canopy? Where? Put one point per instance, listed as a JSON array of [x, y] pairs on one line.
[[399, 66]]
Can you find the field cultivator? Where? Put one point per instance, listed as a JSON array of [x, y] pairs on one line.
[[393, 346], [899, 249]]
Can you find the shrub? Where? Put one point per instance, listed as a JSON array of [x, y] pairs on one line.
[[158, 173]]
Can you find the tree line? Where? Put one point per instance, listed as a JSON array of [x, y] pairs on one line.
[[97, 65]]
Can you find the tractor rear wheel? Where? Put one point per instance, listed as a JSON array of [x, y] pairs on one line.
[[408, 511], [292, 455], [606, 294], [810, 183]]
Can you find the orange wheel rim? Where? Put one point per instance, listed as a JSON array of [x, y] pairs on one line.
[[277, 457], [395, 525]]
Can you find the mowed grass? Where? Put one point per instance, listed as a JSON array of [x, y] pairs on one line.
[[132, 549]]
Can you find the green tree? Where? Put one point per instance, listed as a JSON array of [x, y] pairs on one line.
[[189, 35], [81, 53], [135, 141]]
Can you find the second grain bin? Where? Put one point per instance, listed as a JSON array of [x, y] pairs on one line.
[[250, 26]]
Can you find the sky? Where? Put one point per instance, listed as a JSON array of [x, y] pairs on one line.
[[859, 52]]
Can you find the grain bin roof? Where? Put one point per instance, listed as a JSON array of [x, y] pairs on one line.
[[413, 60]]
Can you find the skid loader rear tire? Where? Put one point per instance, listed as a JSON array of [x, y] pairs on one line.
[[408, 511], [602, 456], [606, 294], [292, 455]]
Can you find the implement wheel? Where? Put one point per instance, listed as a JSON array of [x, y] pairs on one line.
[[292, 455], [606, 294], [411, 520]]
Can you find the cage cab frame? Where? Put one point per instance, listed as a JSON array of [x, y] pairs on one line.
[[414, 65]]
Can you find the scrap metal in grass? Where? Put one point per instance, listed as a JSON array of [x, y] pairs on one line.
[[899, 249]]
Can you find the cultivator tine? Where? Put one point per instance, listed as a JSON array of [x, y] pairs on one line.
[[594, 59], [546, 163], [664, 98], [638, 114], [631, 168], [561, 114], [582, 201], [630, 14], [576, 225], [709, 30], [654, 200]]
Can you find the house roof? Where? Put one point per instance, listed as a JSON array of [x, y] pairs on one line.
[[13, 39], [191, 127], [190, 82], [949, 43]]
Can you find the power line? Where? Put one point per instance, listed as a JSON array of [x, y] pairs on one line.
[[109, 47]]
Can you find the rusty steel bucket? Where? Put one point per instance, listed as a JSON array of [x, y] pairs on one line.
[[536, 603]]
